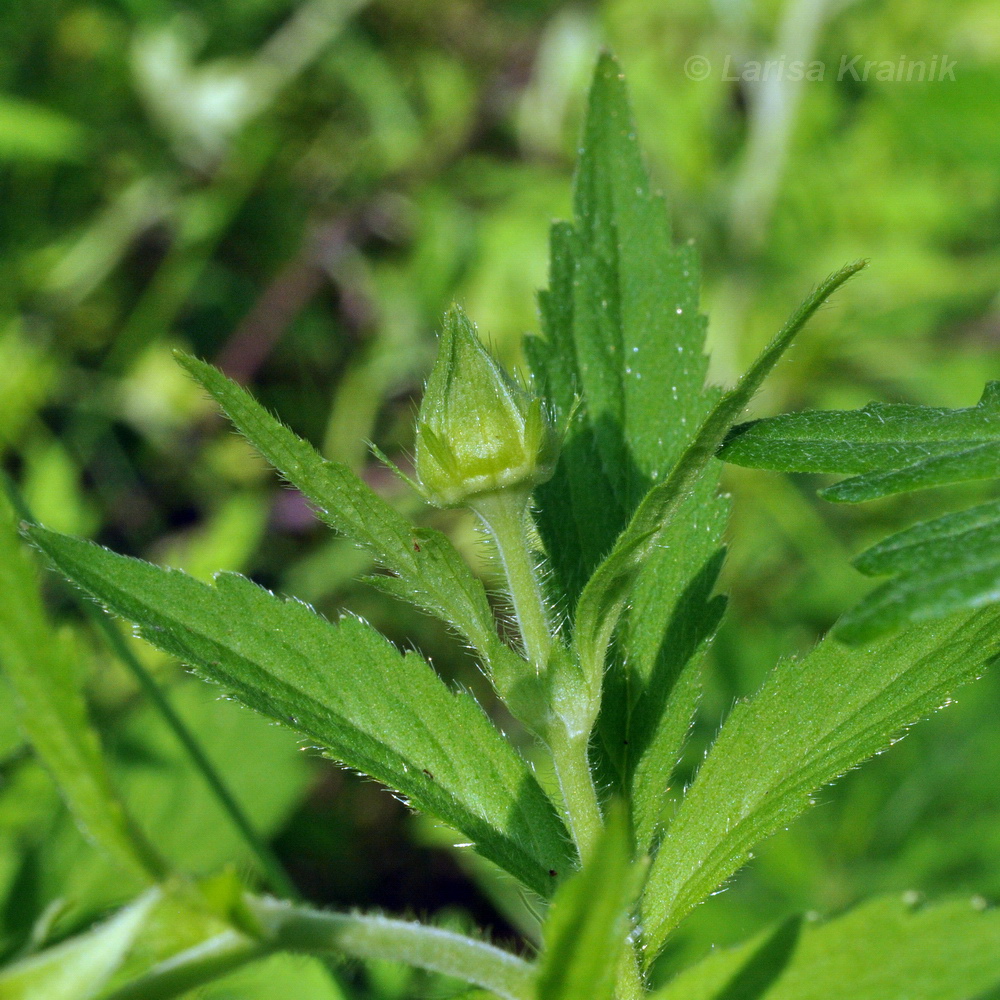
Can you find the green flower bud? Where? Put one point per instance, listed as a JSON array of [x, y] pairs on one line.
[[478, 432]]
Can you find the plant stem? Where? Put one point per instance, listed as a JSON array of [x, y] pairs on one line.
[[504, 513], [300, 929], [576, 782], [630, 985]]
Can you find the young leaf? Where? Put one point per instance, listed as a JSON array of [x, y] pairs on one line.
[[811, 721], [883, 950], [938, 567], [427, 569], [588, 922], [53, 713], [621, 329], [344, 686], [889, 448]]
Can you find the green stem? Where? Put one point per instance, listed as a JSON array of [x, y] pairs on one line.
[[190, 969], [505, 513], [576, 782], [631, 985], [287, 927]]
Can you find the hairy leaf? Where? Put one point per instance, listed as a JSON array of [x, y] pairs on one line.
[[588, 922], [607, 590], [938, 567], [426, 568], [888, 448], [623, 332], [886, 949], [53, 713], [345, 686], [623, 337], [812, 720]]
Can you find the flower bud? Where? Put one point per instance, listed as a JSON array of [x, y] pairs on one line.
[[478, 432]]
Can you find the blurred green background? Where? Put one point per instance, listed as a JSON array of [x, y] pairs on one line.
[[296, 191]]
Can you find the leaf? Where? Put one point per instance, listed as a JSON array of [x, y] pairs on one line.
[[606, 592], [623, 332], [883, 950], [344, 686], [588, 922], [428, 571], [52, 712], [79, 968], [889, 448], [811, 721], [938, 567]]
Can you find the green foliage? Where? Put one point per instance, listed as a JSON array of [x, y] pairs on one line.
[[80, 967], [425, 567], [587, 928], [614, 616], [888, 448], [887, 949], [344, 685], [812, 720], [939, 566]]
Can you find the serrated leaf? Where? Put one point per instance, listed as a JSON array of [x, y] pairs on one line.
[[887, 448], [588, 922], [938, 567], [345, 686], [428, 571], [621, 329], [52, 712], [607, 591], [812, 720], [886, 949]]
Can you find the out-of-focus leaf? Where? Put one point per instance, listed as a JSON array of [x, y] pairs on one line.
[[810, 722], [889, 448], [345, 686], [51, 708], [277, 978], [179, 812], [163, 926], [883, 950], [81, 967], [938, 567], [31, 132], [588, 922]]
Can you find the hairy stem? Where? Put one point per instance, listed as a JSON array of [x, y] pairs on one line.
[[290, 927], [576, 782], [505, 514], [631, 984]]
